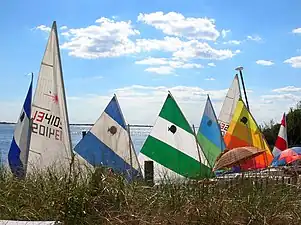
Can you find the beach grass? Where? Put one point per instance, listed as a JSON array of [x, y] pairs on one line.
[[103, 198]]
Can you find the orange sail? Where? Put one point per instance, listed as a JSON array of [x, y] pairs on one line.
[[243, 131]]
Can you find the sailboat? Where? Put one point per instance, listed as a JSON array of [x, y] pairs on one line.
[[281, 143], [244, 131], [50, 144], [18, 152], [209, 134], [229, 105], [172, 145], [108, 143]]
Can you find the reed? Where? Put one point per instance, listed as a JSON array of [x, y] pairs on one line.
[[103, 198]]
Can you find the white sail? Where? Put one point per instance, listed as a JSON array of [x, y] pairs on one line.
[[108, 143], [229, 105], [50, 140]]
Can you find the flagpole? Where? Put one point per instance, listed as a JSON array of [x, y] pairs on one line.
[[243, 85]]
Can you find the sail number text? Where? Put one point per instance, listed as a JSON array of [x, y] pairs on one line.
[[47, 125], [224, 128]]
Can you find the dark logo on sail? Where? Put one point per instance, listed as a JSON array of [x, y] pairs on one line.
[[209, 123], [244, 120], [172, 129], [112, 130], [22, 117]]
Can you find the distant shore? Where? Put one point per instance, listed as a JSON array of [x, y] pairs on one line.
[[6, 122]]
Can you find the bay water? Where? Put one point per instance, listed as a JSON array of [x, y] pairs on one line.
[[138, 135]]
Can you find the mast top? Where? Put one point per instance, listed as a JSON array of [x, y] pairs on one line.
[[54, 24], [240, 68]]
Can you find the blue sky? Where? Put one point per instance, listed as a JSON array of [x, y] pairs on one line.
[[140, 49]]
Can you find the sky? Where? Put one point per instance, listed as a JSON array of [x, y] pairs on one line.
[[141, 49]]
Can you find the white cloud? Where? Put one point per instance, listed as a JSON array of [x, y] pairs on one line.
[[184, 50], [232, 42], [294, 61], [266, 107], [110, 38], [147, 101], [107, 39], [42, 28], [168, 63], [160, 70], [191, 66], [210, 79], [176, 24], [254, 38], [141, 104], [65, 34], [297, 31], [225, 32], [264, 62], [152, 61], [63, 28], [202, 50], [211, 64], [169, 44], [287, 89], [277, 97]]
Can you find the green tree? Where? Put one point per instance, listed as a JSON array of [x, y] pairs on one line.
[[293, 120]]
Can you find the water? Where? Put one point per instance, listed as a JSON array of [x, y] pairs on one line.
[[138, 135]]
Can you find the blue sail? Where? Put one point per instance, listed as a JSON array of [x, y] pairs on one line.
[[18, 152]]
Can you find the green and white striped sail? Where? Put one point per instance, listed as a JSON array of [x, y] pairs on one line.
[[172, 143]]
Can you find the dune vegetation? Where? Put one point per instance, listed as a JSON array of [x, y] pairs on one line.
[[104, 198]]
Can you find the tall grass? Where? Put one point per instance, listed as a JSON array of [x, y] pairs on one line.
[[102, 198]]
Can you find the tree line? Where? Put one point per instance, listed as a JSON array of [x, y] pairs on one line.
[[293, 122]]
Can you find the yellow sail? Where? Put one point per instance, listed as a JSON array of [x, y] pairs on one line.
[[243, 131]]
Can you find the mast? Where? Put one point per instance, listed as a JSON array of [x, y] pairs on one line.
[[243, 85], [29, 129]]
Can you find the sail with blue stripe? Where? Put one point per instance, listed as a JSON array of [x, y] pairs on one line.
[[108, 143], [18, 152], [209, 134]]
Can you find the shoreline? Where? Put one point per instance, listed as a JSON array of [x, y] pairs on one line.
[[71, 124]]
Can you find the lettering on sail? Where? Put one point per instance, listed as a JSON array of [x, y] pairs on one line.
[[224, 127], [47, 125]]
